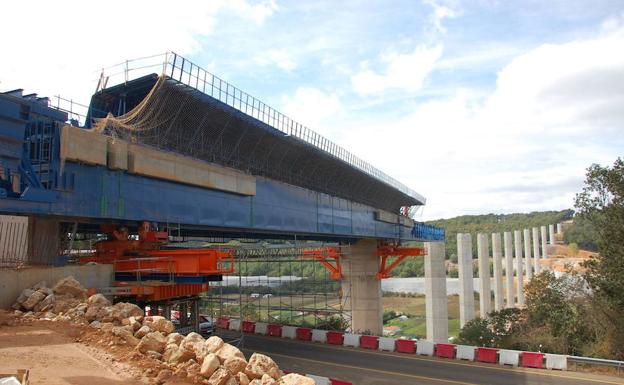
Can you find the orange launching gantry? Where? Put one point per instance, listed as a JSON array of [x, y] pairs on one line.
[[145, 268]]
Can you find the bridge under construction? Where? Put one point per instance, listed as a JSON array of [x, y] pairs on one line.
[[169, 169]]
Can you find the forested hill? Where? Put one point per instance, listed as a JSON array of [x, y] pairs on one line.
[[493, 223]]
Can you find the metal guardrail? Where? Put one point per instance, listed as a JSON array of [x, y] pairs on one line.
[[619, 365], [186, 72]]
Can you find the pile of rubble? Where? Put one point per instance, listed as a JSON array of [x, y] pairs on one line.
[[204, 361]]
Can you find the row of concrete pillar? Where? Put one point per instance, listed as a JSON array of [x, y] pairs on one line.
[[527, 263]]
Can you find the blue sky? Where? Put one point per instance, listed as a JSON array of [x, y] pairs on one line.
[[481, 106]]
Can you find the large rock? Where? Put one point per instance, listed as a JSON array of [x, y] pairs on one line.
[[69, 285], [122, 310], [46, 304], [259, 365], [92, 312], [163, 376], [242, 378], [143, 330], [159, 323], [267, 380], [175, 338], [228, 351], [34, 299], [132, 322], [213, 344], [194, 343], [98, 300], [219, 377], [126, 335], [210, 364], [24, 295], [105, 314], [179, 355], [235, 364], [64, 302], [297, 379], [152, 341]]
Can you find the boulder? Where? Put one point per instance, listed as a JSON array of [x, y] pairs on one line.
[[242, 378], [95, 324], [69, 285], [297, 379], [40, 285], [24, 295], [126, 335], [213, 344], [235, 364], [194, 343], [123, 310], [143, 330], [105, 314], [152, 341], [219, 377], [228, 351], [34, 299], [210, 364], [106, 327], [159, 323], [267, 380], [163, 376], [175, 338], [179, 355], [92, 312], [232, 381], [98, 300], [132, 322], [46, 304], [259, 365], [64, 302], [154, 355], [46, 290]]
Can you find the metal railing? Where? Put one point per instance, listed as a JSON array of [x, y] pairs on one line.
[[186, 72], [615, 366]]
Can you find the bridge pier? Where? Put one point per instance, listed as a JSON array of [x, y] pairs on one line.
[[551, 234], [483, 255], [498, 271], [527, 254], [544, 234], [466, 285], [536, 250], [509, 269], [519, 267], [436, 301], [362, 289]]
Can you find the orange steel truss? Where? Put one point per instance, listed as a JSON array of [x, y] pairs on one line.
[[326, 255], [384, 252]]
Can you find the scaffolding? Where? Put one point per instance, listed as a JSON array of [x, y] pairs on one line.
[[282, 284]]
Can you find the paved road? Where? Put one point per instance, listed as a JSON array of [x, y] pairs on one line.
[[379, 368]]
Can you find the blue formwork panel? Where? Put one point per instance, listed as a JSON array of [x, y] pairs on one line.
[[425, 232]]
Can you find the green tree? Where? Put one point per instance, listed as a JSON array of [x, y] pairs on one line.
[[476, 332]]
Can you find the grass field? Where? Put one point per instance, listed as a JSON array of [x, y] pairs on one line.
[[414, 309]]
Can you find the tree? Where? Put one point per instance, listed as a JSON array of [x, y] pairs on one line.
[[476, 332]]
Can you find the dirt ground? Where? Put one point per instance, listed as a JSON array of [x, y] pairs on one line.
[[62, 354]]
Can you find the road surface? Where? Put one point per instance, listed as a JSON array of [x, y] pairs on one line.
[[365, 367]]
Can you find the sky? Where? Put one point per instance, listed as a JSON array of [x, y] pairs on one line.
[[482, 106]]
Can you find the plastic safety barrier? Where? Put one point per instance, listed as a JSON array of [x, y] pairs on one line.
[[274, 330], [465, 352], [445, 350], [486, 355], [556, 361], [339, 382], [335, 338], [352, 340], [532, 360], [424, 348], [387, 344], [261, 328], [223, 323], [508, 357], [249, 326], [288, 332], [235, 324], [320, 336], [406, 346], [369, 342], [319, 380], [304, 334]]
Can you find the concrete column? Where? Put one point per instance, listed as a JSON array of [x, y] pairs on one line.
[[527, 254], [544, 240], [551, 234], [361, 288], [536, 249], [497, 257], [466, 286], [509, 268], [436, 302], [483, 254], [559, 229], [519, 275]]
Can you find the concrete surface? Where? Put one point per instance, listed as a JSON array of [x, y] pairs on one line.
[[507, 241], [497, 256], [519, 276], [483, 254], [536, 250], [436, 301], [527, 254], [466, 281]]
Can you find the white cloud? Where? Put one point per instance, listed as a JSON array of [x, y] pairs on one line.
[[405, 72], [60, 45], [313, 108], [555, 110], [440, 12], [282, 59]]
